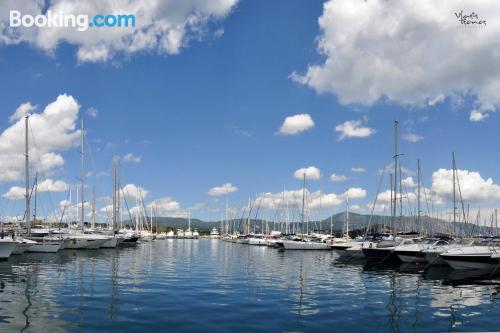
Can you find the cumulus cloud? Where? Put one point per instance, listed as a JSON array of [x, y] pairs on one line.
[[296, 124], [476, 116], [358, 169], [314, 200], [474, 188], [22, 111], [163, 27], [51, 131], [223, 189], [412, 137], [338, 178], [166, 206], [312, 173], [48, 185], [353, 129], [387, 49], [131, 158], [132, 191]]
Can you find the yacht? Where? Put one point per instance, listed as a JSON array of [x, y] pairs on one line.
[[414, 252], [170, 234], [477, 256], [7, 246], [22, 245], [306, 244], [383, 251], [45, 245], [180, 233], [257, 240], [196, 234], [214, 234], [161, 235], [432, 253]]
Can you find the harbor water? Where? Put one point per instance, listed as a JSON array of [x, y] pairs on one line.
[[214, 286]]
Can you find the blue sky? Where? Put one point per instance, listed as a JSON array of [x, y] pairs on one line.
[[210, 115]]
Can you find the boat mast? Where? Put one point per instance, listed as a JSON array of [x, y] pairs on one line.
[[347, 215], [93, 207], [396, 123], [303, 203], [418, 192], [36, 192], [82, 170], [27, 176], [454, 195]]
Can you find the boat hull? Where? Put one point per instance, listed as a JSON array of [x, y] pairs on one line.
[[6, 249], [45, 247], [381, 255], [464, 262], [293, 245], [410, 256]]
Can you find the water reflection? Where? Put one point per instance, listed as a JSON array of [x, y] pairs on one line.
[[210, 285]]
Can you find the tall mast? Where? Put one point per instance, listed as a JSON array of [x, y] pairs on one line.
[[82, 175], [418, 192], [36, 192], [454, 196], [27, 176], [395, 174], [303, 200], [347, 214], [93, 207]]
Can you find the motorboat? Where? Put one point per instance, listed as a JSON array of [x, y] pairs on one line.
[[477, 256], [257, 240], [306, 244], [414, 252], [214, 233]]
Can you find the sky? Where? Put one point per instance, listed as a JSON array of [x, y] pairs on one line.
[[221, 101]]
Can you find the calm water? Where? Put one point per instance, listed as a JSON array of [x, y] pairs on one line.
[[210, 285]]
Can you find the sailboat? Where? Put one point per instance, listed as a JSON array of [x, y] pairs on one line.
[[42, 243], [7, 246], [383, 251], [305, 243], [189, 233]]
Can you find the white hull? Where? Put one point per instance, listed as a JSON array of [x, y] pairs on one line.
[[85, 243], [434, 258], [110, 243], [257, 241], [6, 248], [294, 245], [21, 248], [409, 258], [45, 247]]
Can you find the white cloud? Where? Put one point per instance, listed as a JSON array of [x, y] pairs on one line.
[[51, 131], [22, 111], [312, 173], [387, 50], [163, 27], [473, 187], [166, 206], [131, 158], [476, 116], [338, 178], [408, 182], [132, 191], [223, 189], [93, 112], [358, 169], [48, 185], [355, 193], [411, 137], [353, 129], [296, 124]]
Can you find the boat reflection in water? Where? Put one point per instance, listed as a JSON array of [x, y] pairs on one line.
[[222, 286]]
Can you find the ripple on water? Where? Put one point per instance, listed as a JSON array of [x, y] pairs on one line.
[[204, 285]]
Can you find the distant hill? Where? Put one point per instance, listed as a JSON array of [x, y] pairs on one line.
[[356, 221]]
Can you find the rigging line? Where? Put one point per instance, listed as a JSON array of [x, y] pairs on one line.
[[376, 198], [42, 171]]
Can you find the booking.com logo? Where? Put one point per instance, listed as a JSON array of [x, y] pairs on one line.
[[80, 22]]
